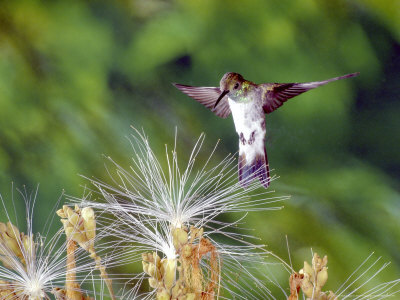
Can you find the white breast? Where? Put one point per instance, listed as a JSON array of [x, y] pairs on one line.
[[249, 119]]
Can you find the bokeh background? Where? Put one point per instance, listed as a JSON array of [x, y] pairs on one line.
[[75, 75]]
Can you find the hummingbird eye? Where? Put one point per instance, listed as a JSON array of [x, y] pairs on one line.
[[236, 85]]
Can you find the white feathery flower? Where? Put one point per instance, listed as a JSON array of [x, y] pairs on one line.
[[33, 267], [239, 263], [195, 195], [148, 202]]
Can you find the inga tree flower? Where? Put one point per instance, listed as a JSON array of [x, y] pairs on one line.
[[35, 266], [150, 203], [194, 196], [312, 278]]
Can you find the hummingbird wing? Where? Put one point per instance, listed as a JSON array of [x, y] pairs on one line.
[[207, 96], [275, 94]]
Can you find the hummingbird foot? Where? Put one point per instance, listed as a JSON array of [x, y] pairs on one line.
[[242, 139], [252, 138]]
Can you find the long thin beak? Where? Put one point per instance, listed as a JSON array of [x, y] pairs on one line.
[[220, 97]]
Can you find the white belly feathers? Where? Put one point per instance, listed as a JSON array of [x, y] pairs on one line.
[[250, 125]]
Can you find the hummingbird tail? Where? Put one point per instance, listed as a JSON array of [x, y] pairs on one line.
[[258, 168]]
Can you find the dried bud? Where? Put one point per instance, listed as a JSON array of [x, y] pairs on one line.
[[307, 287], [307, 269], [156, 259], [180, 237], [61, 213], [190, 296], [152, 270], [322, 277], [147, 257], [145, 267], [28, 244], [181, 278], [195, 233], [13, 231], [14, 243], [79, 225], [169, 266], [153, 283], [186, 251], [315, 277], [89, 223], [163, 295]]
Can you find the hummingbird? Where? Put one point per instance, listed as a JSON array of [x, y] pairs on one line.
[[249, 102]]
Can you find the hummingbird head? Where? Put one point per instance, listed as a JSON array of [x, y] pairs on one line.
[[229, 85]]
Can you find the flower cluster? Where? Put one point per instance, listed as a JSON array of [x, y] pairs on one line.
[[35, 267], [312, 278], [172, 221]]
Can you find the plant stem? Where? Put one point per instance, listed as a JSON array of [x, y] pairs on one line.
[[71, 286]]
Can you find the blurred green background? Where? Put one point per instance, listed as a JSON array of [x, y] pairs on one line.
[[75, 75]]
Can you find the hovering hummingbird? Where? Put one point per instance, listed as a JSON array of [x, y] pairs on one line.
[[249, 102]]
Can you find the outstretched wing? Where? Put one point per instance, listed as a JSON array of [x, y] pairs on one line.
[[207, 96], [278, 93]]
